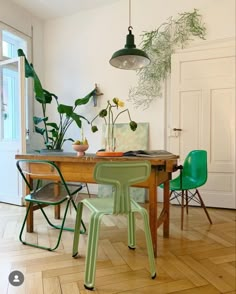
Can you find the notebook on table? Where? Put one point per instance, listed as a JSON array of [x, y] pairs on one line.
[[149, 153]]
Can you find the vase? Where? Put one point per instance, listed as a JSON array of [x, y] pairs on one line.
[[110, 140]]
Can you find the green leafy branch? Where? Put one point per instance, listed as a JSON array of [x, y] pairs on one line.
[[160, 44]]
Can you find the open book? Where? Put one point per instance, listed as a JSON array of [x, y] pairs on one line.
[[150, 153]]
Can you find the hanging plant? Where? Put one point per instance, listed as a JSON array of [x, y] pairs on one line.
[[160, 44]]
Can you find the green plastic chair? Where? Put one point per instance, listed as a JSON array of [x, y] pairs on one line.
[[193, 174], [54, 192], [121, 175]]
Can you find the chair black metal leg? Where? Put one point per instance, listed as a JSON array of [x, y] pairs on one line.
[[182, 209], [186, 200]]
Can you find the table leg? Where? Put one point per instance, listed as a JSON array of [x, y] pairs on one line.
[[57, 208], [57, 211], [166, 204], [30, 219], [153, 210]]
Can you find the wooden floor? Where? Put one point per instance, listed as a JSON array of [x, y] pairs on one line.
[[199, 259]]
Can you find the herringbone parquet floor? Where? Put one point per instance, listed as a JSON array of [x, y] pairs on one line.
[[199, 259]]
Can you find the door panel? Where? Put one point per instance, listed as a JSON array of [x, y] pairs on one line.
[[222, 125], [12, 127], [190, 103], [202, 106]]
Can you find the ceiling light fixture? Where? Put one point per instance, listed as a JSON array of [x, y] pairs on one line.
[[130, 57]]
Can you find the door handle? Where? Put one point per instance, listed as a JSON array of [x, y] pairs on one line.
[[175, 129]]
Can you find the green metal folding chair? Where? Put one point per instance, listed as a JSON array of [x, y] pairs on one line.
[[121, 175], [53, 191]]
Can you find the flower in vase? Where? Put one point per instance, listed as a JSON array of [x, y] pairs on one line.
[[110, 115]]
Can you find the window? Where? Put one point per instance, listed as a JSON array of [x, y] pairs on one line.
[[11, 43]]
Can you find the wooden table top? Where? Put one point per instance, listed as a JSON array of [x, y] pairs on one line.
[[93, 158]]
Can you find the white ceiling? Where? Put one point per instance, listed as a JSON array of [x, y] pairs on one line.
[[48, 9]]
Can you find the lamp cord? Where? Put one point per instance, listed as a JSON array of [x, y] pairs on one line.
[[130, 27]]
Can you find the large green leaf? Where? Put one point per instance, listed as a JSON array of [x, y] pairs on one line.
[[77, 119], [30, 72], [68, 110], [38, 130], [54, 133], [85, 100], [48, 96], [38, 120], [38, 89], [53, 125], [81, 116], [51, 94], [69, 139]]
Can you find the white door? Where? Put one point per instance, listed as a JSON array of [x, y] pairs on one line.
[[202, 107], [12, 127]]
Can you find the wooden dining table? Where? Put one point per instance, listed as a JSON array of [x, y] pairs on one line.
[[80, 169]]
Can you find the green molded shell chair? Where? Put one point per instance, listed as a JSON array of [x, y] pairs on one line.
[[121, 175], [193, 174], [53, 192]]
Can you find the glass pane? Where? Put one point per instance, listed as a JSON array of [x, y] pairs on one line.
[[10, 103], [11, 43], [6, 50]]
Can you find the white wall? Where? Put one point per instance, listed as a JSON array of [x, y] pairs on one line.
[[77, 50], [71, 54]]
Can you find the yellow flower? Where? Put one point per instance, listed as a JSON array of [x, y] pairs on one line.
[[118, 102], [121, 103]]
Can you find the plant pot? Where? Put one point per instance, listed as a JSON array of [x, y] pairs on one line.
[[80, 149], [51, 150]]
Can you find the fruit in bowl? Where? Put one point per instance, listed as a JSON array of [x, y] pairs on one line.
[[80, 146]]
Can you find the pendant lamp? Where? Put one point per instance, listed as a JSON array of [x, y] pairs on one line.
[[129, 57]]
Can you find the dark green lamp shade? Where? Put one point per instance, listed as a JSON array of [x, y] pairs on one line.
[[130, 57]]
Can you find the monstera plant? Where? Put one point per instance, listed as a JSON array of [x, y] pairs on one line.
[[54, 133]]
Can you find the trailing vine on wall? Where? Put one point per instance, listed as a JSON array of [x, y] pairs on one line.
[[160, 44]]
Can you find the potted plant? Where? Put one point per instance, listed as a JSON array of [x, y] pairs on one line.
[[53, 133]]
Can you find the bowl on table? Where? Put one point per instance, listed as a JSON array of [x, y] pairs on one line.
[[80, 149]]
